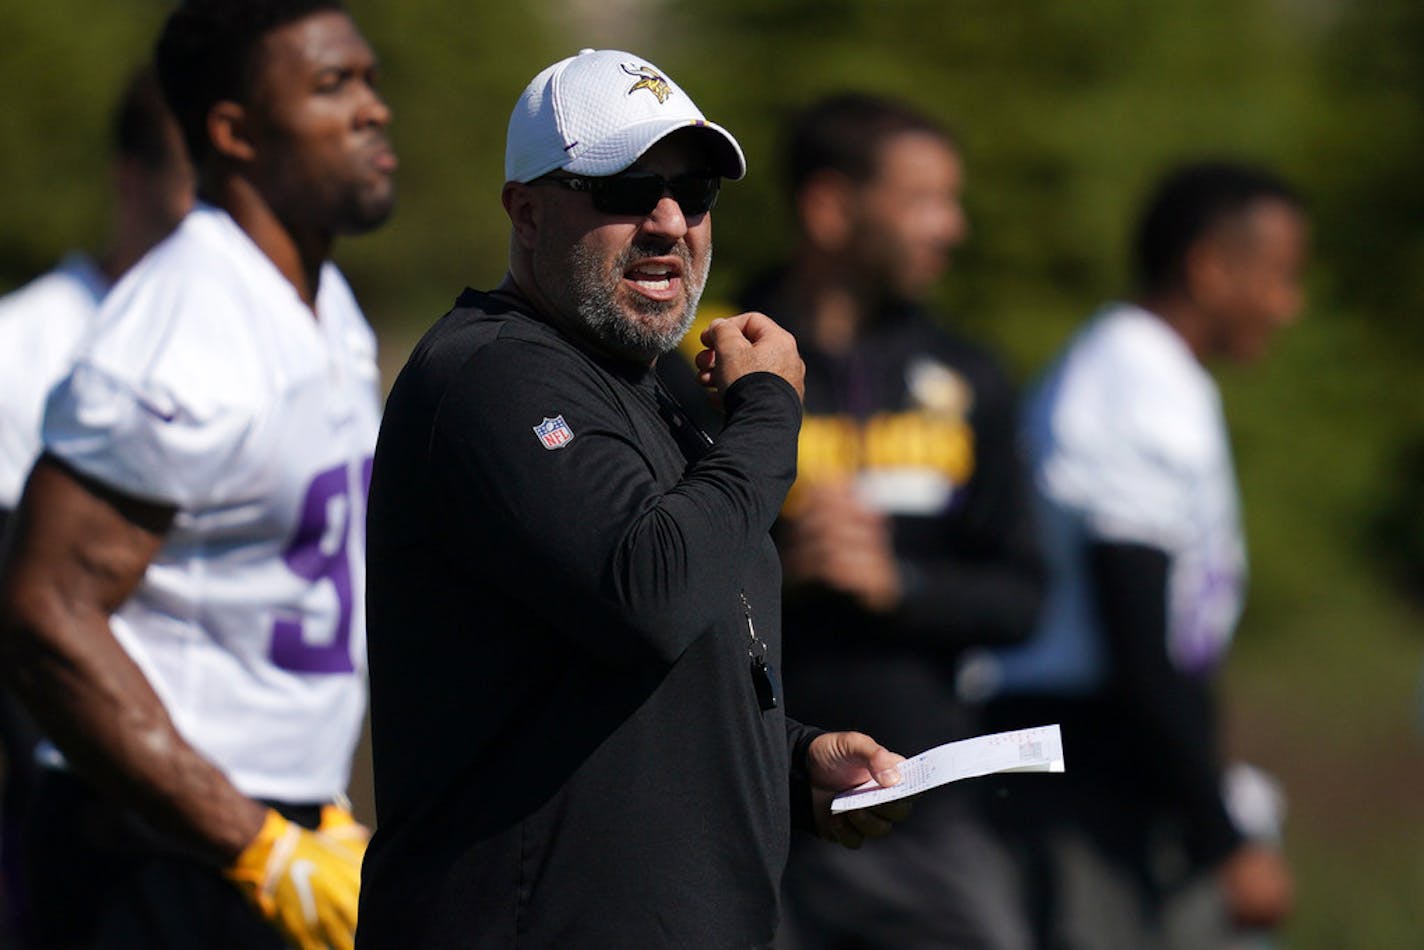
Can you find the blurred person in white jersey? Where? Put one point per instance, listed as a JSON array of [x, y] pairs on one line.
[[1141, 846], [181, 593], [41, 324]]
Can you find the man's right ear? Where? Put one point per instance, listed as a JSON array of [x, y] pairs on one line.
[[228, 131], [521, 206]]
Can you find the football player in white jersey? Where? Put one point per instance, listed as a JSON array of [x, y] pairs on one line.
[[40, 328], [1139, 515], [182, 593]]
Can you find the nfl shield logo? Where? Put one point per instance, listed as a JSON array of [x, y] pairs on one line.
[[554, 433]]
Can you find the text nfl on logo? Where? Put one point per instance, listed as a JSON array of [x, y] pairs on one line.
[[554, 433]]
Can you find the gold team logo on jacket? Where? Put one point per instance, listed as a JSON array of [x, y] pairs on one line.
[[648, 79], [913, 461]]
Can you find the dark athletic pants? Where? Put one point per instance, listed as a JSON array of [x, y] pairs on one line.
[[96, 877]]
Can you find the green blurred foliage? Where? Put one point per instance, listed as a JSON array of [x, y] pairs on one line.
[[63, 65], [1066, 112], [1365, 152]]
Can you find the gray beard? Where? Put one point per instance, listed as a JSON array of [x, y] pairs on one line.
[[643, 335]]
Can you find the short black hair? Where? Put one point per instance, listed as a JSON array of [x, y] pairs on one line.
[[141, 118], [204, 55], [1190, 202], [844, 132]]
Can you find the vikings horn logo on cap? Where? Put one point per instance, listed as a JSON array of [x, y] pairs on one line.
[[649, 80]]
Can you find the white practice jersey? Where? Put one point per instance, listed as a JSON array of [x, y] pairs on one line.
[[207, 385], [1128, 444], [41, 325]]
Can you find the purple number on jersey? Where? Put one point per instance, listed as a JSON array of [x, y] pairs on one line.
[[318, 552]]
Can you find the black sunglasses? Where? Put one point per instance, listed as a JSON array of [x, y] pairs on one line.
[[639, 194]]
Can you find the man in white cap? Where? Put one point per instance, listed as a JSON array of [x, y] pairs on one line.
[[574, 610]]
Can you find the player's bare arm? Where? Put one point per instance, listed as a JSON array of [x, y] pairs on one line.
[[77, 552]]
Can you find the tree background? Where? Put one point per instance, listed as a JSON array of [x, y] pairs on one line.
[[1066, 113]]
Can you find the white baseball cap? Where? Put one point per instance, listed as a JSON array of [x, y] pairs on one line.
[[597, 112]]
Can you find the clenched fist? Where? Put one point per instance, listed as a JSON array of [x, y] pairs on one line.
[[748, 343]]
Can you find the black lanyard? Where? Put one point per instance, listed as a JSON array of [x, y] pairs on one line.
[[763, 675]]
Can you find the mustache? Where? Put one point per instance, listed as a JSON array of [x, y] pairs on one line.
[[646, 248]]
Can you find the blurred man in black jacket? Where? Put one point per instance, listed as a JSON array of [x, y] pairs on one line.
[[906, 536]]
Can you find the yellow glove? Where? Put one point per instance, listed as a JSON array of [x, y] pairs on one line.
[[338, 824], [305, 882]]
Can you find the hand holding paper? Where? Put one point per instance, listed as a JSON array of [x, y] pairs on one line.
[[840, 760], [1039, 749]]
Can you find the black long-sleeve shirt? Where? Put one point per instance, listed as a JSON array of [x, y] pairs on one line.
[[1153, 704], [569, 749], [1144, 746]]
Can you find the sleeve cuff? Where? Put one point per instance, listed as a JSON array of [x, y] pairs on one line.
[[759, 385], [803, 815]]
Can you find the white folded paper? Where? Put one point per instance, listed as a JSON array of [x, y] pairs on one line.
[[1039, 749]]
